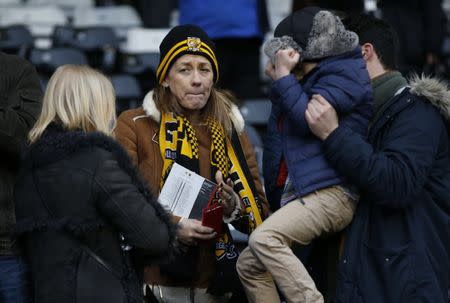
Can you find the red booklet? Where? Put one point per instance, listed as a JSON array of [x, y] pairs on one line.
[[212, 214], [189, 195]]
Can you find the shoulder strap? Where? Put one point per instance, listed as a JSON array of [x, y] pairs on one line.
[[89, 251]]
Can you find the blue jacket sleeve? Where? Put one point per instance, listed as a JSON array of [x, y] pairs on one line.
[[341, 87], [398, 170]]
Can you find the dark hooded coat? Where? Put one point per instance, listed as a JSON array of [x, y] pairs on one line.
[[76, 193], [397, 248]]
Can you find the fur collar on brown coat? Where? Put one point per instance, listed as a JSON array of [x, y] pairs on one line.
[[138, 131], [151, 111]]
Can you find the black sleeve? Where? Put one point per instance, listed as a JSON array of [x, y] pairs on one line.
[[20, 102], [143, 223]]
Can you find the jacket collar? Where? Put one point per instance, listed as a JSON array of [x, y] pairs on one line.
[[152, 111], [434, 91], [58, 143], [426, 89]]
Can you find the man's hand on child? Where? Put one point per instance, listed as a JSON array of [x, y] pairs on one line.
[[321, 117]]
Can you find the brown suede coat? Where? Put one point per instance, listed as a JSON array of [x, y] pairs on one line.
[[138, 131]]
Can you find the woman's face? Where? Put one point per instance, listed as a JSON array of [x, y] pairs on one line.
[[190, 80]]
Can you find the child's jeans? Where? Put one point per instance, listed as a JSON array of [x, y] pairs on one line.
[[269, 257]]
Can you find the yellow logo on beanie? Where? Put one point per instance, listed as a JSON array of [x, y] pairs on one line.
[[190, 44], [194, 44]]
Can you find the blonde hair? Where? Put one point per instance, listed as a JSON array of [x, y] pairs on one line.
[[77, 97], [218, 106]]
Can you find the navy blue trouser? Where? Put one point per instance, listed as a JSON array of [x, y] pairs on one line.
[[14, 284]]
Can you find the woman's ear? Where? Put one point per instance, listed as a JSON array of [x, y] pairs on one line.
[[165, 84]]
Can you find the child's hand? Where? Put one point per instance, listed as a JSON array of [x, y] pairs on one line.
[[285, 61], [270, 70]]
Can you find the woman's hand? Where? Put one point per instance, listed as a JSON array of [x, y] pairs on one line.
[[191, 230], [229, 199]]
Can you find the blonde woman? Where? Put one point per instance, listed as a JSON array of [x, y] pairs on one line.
[[188, 121], [80, 206]]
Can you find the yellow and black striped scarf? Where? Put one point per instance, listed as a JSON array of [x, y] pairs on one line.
[[178, 143]]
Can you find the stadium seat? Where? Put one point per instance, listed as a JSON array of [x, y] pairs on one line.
[[68, 6], [5, 3], [39, 19], [139, 55], [15, 39], [121, 18], [144, 40], [100, 44], [128, 91], [62, 3], [142, 66], [139, 63], [46, 61], [256, 111], [87, 38]]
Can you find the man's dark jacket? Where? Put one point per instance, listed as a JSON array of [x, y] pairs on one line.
[[397, 248], [20, 105]]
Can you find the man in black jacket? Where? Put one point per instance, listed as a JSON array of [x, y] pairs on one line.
[[20, 104], [397, 248]]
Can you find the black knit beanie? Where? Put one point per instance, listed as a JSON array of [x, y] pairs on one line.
[[298, 25], [182, 40], [314, 32]]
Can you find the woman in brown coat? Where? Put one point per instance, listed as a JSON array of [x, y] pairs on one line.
[[186, 120]]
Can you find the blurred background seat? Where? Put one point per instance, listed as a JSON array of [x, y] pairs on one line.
[[5, 3], [142, 66], [40, 20], [139, 55], [99, 43], [256, 111], [16, 39], [121, 18], [128, 91], [48, 60], [138, 63], [68, 6]]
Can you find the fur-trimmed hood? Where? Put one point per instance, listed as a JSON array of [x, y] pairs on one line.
[[81, 208], [434, 90], [56, 144], [152, 111]]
